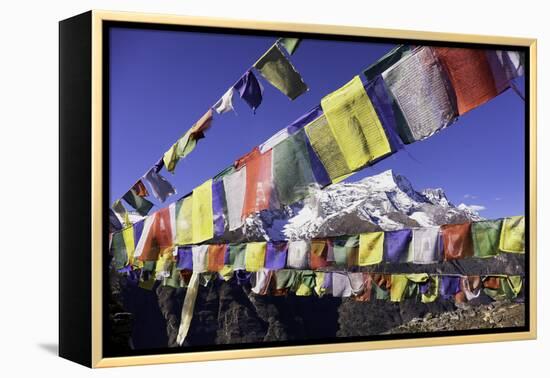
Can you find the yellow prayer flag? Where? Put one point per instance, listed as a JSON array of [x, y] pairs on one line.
[[203, 217], [371, 248], [398, 288], [128, 237], [355, 124], [512, 236], [323, 142], [254, 256], [184, 224]]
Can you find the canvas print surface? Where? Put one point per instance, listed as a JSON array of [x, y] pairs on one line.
[[269, 190]]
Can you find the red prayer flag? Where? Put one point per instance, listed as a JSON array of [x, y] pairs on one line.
[[470, 75]]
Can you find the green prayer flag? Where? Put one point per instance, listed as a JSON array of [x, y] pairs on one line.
[[118, 250], [388, 60], [290, 44], [141, 204], [486, 237], [276, 69], [292, 172]]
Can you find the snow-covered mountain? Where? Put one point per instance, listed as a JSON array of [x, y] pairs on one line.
[[386, 201]]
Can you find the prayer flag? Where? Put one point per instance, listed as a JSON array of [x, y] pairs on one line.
[[318, 254], [388, 112], [140, 189], [216, 257], [292, 171], [396, 244], [258, 181], [324, 144], [512, 237], [185, 258], [203, 223], [457, 241], [355, 124], [255, 256], [486, 237], [371, 248], [184, 221], [388, 60], [200, 258], [290, 44], [341, 285], [250, 90], [225, 103], [426, 245], [160, 186], [298, 254], [276, 255], [218, 207], [278, 71], [234, 185], [399, 284], [505, 66], [197, 130], [470, 75], [421, 90], [236, 256], [141, 205]]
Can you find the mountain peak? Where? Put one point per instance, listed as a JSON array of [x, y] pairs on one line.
[[386, 201]]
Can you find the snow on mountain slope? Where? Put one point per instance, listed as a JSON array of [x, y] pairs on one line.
[[386, 201]]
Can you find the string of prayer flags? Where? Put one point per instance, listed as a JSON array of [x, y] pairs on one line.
[[512, 237], [160, 186], [422, 92], [355, 125], [202, 215], [470, 75], [200, 258], [457, 241], [289, 44], [486, 237], [279, 72], [133, 198], [426, 245], [225, 103], [250, 90]]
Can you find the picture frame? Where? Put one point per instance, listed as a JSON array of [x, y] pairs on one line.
[[85, 154]]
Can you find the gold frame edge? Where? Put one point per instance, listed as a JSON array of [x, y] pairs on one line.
[[99, 16]]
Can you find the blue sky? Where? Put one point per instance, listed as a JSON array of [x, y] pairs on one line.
[[161, 82]]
